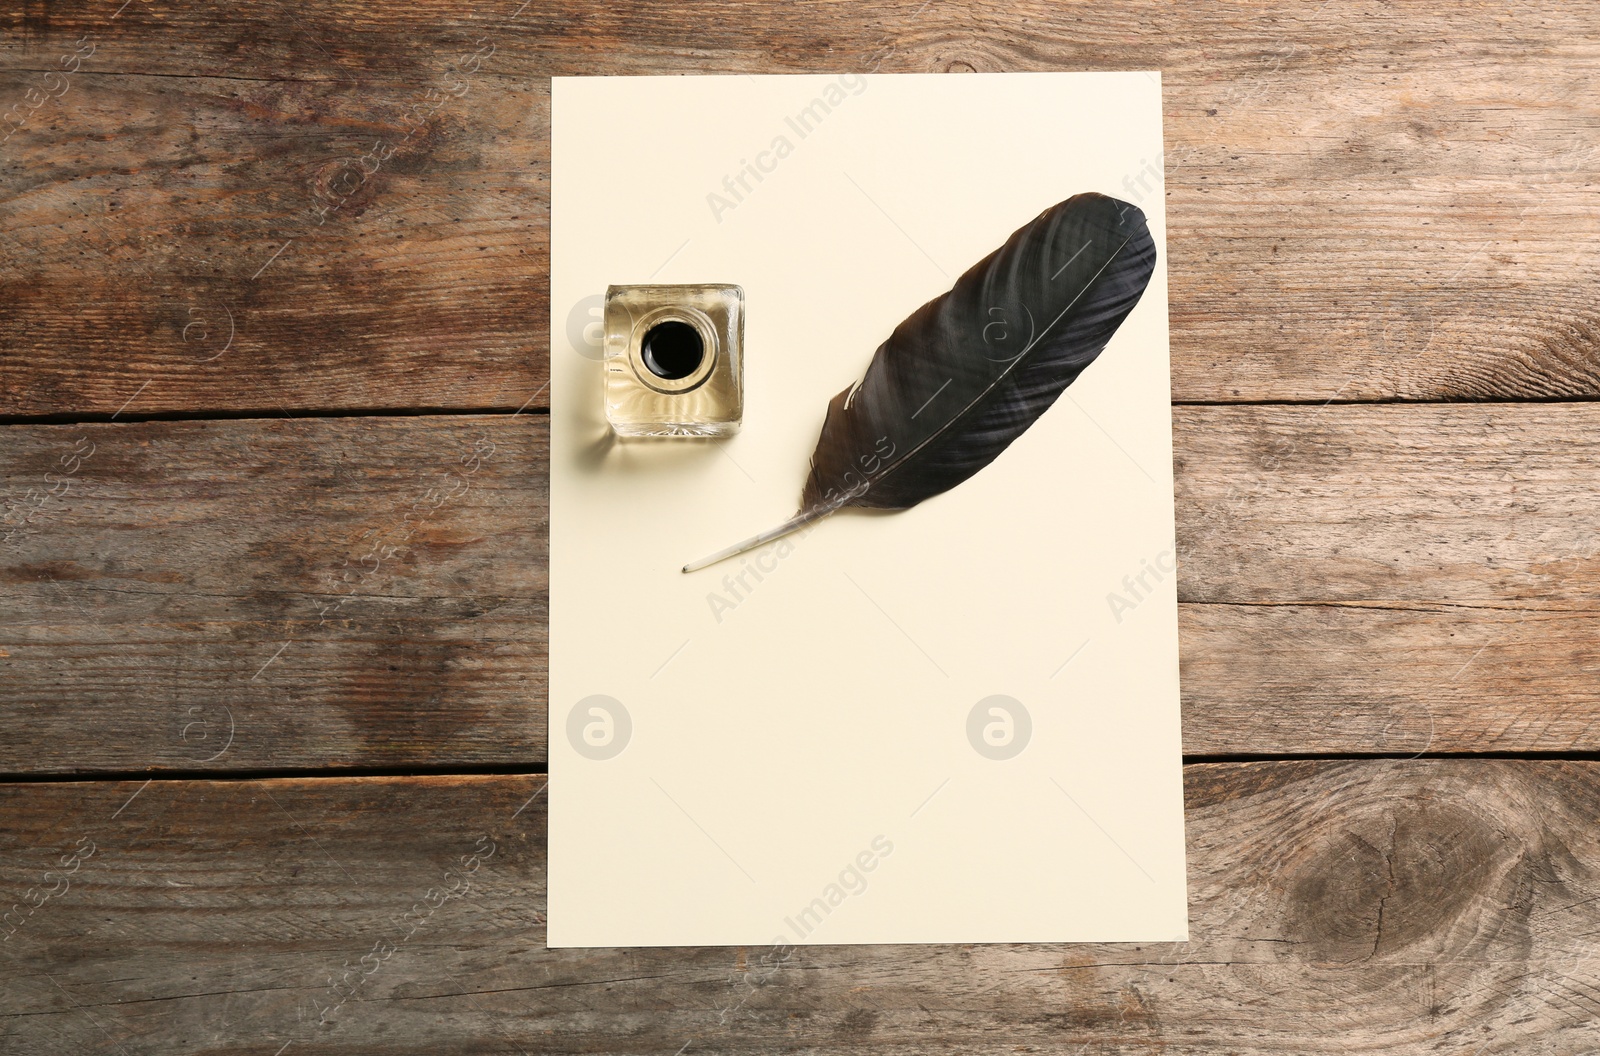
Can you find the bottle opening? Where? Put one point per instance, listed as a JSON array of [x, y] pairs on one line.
[[672, 350]]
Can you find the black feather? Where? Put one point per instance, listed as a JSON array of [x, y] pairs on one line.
[[968, 372]]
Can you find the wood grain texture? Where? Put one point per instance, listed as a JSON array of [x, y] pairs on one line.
[[257, 594], [1361, 579], [1334, 679], [1466, 506], [1388, 202], [220, 213], [1397, 907], [1398, 579]]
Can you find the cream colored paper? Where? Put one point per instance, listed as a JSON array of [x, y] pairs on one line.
[[795, 763]]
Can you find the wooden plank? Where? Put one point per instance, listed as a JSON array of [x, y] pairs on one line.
[[281, 593], [261, 247], [1397, 579], [1384, 203], [1405, 907], [1331, 679], [1463, 506], [1366, 579]]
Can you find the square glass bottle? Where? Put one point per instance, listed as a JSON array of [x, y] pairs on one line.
[[674, 360]]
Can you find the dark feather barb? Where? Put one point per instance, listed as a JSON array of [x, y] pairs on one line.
[[968, 372]]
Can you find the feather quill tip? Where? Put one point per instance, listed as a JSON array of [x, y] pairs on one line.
[[795, 523], [723, 554]]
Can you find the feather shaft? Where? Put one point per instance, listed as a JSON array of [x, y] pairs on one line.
[[793, 524]]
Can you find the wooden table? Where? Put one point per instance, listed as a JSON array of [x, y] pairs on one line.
[[273, 350]]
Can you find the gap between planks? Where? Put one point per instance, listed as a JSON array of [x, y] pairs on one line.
[[68, 418], [532, 769]]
